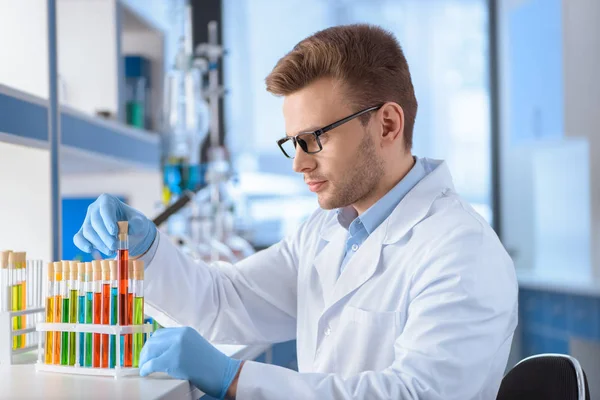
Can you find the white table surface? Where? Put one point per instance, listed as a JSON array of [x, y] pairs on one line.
[[21, 381]]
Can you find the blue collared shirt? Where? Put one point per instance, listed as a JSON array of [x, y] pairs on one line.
[[359, 228]]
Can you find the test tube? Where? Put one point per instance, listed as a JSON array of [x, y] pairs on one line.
[[114, 312], [89, 301], [122, 259], [64, 293], [81, 310], [15, 298], [97, 266], [129, 337], [4, 287], [138, 309], [105, 311], [23, 264], [58, 277], [20, 260], [49, 313], [73, 302]]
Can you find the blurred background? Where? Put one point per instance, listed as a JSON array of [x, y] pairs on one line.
[[163, 103]]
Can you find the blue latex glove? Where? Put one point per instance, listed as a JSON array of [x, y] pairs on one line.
[[100, 229], [184, 354]]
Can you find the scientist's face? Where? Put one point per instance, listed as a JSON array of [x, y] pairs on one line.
[[349, 167]]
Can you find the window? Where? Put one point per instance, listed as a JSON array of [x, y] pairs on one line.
[[445, 42]]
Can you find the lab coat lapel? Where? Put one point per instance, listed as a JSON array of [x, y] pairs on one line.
[[360, 268], [328, 261]]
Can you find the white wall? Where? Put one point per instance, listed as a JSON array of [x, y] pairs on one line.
[[23, 46], [87, 54], [25, 200]]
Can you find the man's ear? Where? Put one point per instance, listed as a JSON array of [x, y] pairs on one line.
[[392, 122]]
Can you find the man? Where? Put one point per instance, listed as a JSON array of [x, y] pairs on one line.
[[395, 289]]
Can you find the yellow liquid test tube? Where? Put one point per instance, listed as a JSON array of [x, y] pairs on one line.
[[23, 285], [4, 285], [15, 299], [58, 277], [49, 313]]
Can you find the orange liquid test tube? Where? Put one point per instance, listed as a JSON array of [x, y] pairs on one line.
[[97, 311], [123, 260]]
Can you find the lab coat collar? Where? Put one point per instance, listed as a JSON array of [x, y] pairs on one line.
[[413, 207], [363, 264]]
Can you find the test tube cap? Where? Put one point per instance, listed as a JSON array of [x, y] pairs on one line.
[[73, 269], [57, 266], [4, 258], [50, 271], [105, 270], [114, 270], [65, 269], [81, 271], [123, 228], [138, 270], [89, 270], [130, 268], [12, 259]]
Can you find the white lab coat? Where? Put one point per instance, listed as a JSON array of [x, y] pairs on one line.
[[425, 309]]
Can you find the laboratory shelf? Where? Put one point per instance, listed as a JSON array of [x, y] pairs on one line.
[[89, 144]]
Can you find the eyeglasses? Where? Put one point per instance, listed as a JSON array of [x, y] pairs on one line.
[[309, 142]]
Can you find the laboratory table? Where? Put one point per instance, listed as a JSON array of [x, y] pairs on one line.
[[21, 381]]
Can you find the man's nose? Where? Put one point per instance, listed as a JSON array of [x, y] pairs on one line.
[[303, 162]]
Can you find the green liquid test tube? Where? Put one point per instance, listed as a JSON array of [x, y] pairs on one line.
[[81, 310], [89, 299], [138, 309], [73, 300], [64, 291]]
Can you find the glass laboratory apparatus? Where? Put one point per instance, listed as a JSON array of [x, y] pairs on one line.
[[186, 117]]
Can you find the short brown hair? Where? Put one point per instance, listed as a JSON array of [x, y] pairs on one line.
[[366, 58]]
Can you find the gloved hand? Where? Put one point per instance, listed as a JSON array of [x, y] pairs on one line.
[[100, 229], [184, 354]]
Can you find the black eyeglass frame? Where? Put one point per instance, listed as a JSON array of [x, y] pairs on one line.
[[321, 131]]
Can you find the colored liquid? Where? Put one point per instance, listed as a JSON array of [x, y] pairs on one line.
[[22, 306], [129, 337], [122, 258], [64, 349], [81, 312], [89, 300], [97, 320], [73, 298], [113, 321], [16, 321], [57, 317], [138, 338], [49, 318], [105, 321]]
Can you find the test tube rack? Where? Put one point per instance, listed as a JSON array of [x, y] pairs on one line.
[[117, 372], [7, 352]]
